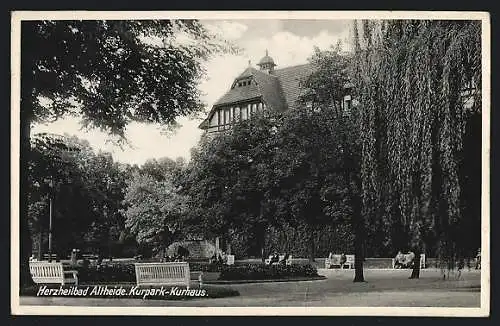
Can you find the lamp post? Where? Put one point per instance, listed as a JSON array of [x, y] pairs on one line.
[[51, 185]]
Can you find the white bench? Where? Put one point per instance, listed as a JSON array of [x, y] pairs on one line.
[[335, 262], [175, 273], [45, 272], [349, 261], [422, 262]]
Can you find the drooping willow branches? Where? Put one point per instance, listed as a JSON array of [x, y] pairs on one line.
[[418, 85]]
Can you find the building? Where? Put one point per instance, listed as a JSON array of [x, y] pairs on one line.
[[255, 90]]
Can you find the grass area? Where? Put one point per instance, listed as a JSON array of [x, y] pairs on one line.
[[276, 280], [383, 288]]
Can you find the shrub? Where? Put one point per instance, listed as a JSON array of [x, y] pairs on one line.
[[205, 267], [266, 272], [106, 273]]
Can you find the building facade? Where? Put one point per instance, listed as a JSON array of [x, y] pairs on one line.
[[256, 90]]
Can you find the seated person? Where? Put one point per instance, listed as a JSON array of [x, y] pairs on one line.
[[285, 258], [410, 259], [213, 259], [343, 259], [398, 260], [275, 258]]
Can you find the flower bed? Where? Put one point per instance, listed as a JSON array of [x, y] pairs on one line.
[[106, 273], [125, 273], [266, 272], [116, 272]]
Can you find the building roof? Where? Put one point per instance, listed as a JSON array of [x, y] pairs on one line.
[[290, 79], [280, 89]]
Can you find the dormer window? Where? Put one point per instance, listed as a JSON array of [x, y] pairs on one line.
[[242, 83]]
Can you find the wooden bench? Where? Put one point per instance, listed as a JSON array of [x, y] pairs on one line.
[[422, 262], [45, 272], [174, 273], [335, 262]]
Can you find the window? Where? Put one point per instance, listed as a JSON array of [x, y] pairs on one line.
[[347, 105], [214, 121], [237, 113], [249, 109], [264, 106], [220, 113], [259, 107], [227, 116], [244, 113]]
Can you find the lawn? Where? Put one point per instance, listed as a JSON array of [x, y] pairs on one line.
[[383, 288]]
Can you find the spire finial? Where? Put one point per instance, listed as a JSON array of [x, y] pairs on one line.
[[249, 63], [267, 53]]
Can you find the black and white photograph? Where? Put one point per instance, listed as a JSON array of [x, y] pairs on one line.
[[251, 162]]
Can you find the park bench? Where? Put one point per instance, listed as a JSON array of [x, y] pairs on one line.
[[422, 262], [281, 258], [45, 272], [172, 273], [349, 261], [51, 256], [334, 261], [88, 256]]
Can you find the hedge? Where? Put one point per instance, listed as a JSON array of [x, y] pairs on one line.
[[266, 272]]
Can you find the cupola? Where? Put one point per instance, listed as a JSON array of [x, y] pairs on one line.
[[267, 63]]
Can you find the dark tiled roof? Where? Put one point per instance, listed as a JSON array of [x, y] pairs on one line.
[[269, 86], [238, 94], [290, 79], [280, 89]]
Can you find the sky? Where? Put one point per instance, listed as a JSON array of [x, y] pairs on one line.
[[289, 42]]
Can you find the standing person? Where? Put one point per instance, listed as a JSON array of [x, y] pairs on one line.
[[478, 259]]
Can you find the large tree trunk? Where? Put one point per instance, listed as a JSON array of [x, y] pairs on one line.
[[358, 252], [311, 244], [262, 239], [24, 230], [359, 238], [26, 117]]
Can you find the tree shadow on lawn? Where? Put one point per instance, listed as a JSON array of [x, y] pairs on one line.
[[375, 283]]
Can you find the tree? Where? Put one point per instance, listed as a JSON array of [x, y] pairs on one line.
[[315, 177], [87, 192], [230, 181], [418, 86], [155, 210], [109, 73], [326, 88]]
